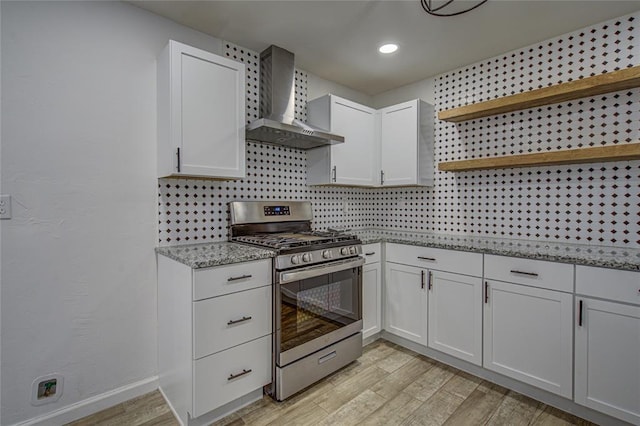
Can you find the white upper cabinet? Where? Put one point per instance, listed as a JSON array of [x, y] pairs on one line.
[[388, 147], [201, 114], [354, 162], [406, 141]]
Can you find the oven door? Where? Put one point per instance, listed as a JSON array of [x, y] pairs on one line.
[[316, 307]]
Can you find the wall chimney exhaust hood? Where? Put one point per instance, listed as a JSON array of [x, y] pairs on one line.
[[277, 124]]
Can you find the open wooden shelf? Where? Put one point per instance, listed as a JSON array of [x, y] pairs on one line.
[[620, 152], [627, 78]]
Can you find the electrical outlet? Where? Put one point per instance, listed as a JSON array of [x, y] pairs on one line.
[[5, 206], [345, 206], [46, 389]]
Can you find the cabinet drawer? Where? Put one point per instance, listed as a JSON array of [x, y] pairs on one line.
[[226, 321], [371, 253], [460, 262], [622, 286], [213, 377], [226, 279], [536, 273]]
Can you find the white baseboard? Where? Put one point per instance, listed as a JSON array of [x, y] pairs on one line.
[[173, 410], [94, 404]]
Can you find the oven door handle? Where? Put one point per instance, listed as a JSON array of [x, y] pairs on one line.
[[319, 270]]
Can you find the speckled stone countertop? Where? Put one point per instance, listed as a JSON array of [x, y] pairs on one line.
[[214, 254], [581, 254], [224, 253]]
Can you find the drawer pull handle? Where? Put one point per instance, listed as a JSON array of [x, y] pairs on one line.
[[241, 277], [371, 253], [238, 321], [235, 376], [327, 357], [430, 259], [530, 274]]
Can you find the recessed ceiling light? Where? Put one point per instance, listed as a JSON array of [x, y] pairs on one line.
[[388, 48]]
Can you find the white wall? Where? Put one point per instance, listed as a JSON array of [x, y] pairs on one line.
[[78, 156], [317, 86], [422, 89], [0, 226]]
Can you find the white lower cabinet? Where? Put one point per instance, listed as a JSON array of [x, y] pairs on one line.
[[214, 334], [607, 351], [371, 291], [226, 375], [406, 302], [455, 315], [608, 358], [528, 335]]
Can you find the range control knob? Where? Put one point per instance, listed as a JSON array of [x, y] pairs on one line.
[[306, 257], [326, 254], [344, 251], [352, 250], [295, 260]]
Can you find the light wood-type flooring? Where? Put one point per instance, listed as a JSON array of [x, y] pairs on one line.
[[388, 385]]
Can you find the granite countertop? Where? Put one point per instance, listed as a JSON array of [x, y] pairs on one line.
[[214, 254], [581, 254], [223, 253]]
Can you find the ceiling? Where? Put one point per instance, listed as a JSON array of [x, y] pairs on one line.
[[338, 40]]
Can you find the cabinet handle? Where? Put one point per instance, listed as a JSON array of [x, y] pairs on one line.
[[531, 274], [486, 292], [580, 313], [335, 173], [430, 259], [430, 280], [178, 155], [327, 357], [241, 277], [238, 321], [235, 376], [422, 279], [371, 253], [381, 177]]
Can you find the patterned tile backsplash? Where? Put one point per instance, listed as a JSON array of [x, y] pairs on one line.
[[591, 204]]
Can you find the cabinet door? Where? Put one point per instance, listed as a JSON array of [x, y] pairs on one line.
[[607, 374], [406, 302], [354, 162], [455, 315], [371, 299], [399, 144], [528, 335], [207, 113]]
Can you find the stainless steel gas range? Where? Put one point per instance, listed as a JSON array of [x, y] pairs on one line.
[[317, 292]]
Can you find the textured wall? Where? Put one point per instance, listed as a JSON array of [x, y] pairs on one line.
[[78, 157], [592, 204], [589, 203]]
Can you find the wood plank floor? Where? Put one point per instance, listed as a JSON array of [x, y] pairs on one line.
[[388, 385]]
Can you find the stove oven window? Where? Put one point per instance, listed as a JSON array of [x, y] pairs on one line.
[[314, 307]]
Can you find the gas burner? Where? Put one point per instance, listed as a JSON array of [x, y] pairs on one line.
[[284, 241]]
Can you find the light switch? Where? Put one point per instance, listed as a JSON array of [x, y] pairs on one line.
[[5, 206]]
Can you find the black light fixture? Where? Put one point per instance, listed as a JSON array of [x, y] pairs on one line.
[[441, 9]]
